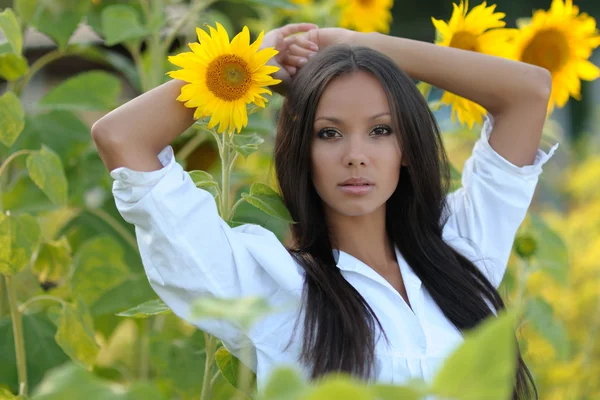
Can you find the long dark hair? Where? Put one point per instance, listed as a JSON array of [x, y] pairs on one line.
[[339, 325]]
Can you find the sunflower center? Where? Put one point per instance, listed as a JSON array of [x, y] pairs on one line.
[[465, 41], [365, 3], [547, 49], [228, 77]]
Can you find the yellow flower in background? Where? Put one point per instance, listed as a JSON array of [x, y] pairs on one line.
[[480, 30], [560, 40], [366, 15], [224, 77]]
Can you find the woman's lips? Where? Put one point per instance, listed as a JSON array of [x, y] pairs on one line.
[[356, 189]]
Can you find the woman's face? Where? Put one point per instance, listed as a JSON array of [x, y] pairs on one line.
[[353, 137]]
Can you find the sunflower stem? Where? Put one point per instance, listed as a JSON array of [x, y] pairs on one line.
[[211, 347], [225, 175], [17, 323]]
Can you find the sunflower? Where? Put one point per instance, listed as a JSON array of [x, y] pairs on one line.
[[224, 77], [480, 30], [366, 15], [560, 40]]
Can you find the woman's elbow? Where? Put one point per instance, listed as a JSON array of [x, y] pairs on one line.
[[541, 85]]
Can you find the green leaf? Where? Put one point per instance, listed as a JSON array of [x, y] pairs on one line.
[[266, 199], [6, 394], [339, 386], [40, 348], [121, 23], [230, 366], [204, 180], [243, 311], [392, 392], [488, 353], [69, 381], [19, 237], [147, 309], [12, 31], [56, 18], [93, 90], [25, 9], [12, 66], [62, 131], [46, 171], [127, 295], [541, 314], [180, 361], [75, 334], [98, 267], [551, 253], [284, 383], [12, 118], [246, 143], [110, 58], [53, 260], [23, 196]]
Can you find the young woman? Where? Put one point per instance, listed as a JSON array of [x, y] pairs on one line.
[[386, 267]]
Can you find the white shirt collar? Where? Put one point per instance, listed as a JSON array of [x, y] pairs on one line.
[[347, 262]]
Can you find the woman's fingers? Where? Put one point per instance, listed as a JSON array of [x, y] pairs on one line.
[[290, 29], [301, 41], [294, 61], [297, 51]]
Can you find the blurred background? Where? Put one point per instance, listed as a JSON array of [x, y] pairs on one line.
[[84, 58]]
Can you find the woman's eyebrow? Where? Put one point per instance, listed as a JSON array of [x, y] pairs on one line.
[[338, 121]]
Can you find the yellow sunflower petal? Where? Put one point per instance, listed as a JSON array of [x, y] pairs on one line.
[[587, 71], [560, 40], [223, 77], [481, 30]]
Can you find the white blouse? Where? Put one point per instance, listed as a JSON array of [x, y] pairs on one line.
[[188, 251]]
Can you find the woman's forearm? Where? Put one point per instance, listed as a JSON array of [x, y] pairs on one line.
[[495, 83]]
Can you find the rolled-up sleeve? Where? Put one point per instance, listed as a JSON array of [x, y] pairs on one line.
[[187, 250], [487, 210]]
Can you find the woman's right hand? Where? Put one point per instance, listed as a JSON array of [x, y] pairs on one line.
[[294, 51]]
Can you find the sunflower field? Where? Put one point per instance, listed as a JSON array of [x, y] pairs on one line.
[[78, 318]]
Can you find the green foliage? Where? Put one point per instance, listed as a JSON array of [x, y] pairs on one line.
[[553, 255], [70, 382], [40, 346], [94, 90], [146, 310], [52, 261], [204, 180], [56, 18], [75, 334], [10, 26], [266, 199], [243, 312], [19, 236], [246, 143], [541, 315], [11, 118], [284, 384], [98, 267], [489, 353], [46, 171], [121, 23], [229, 366]]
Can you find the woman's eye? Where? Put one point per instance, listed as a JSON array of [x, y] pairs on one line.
[[327, 133], [382, 130]]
